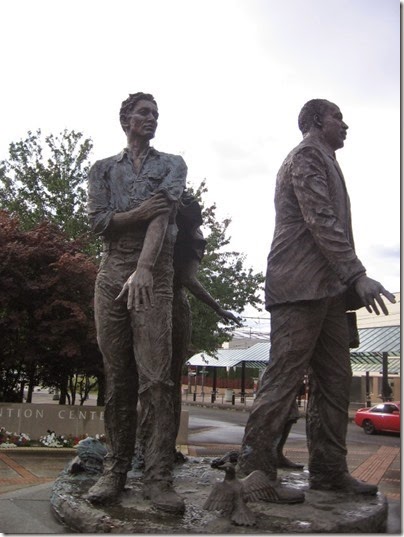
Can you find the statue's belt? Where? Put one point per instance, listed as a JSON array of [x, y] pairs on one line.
[[124, 245]]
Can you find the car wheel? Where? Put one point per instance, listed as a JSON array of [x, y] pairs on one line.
[[368, 427]]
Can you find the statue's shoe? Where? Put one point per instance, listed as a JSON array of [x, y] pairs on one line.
[[163, 496], [285, 494], [344, 483], [107, 489]]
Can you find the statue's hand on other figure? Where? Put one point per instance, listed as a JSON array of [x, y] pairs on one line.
[[147, 211], [151, 208]]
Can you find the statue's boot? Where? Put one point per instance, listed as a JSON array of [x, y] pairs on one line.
[[163, 496], [343, 483], [284, 462], [107, 489], [284, 494]]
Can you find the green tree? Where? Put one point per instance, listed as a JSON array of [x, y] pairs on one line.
[[44, 179], [224, 274]]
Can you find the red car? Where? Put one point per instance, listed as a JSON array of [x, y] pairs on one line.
[[382, 417]]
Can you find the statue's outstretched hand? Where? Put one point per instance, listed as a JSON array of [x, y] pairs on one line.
[[370, 292], [139, 290], [229, 316]]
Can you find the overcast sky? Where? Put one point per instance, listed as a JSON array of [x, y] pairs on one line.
[[230, 77]]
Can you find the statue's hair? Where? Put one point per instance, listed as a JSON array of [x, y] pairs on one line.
[[129, 104], [315, 107]]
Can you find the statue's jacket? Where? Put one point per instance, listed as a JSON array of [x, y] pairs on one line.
[[312, 254]]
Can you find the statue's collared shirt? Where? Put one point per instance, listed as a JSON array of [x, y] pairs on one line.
[[115, 187], [312, 253]]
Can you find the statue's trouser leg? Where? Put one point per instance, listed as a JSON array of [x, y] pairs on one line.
[[284, 437], [156, 390], [115, 341], [137, 352], [152, 344], [330, 378], [302, 334], [181, 340], [182, 329]]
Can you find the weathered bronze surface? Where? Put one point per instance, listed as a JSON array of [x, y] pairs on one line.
[[322, 512], [313, 277], [152, 249], [133, 199], [188, 252]]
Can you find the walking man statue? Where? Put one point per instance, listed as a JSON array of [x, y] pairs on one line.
[[313, 278], [132, 203]]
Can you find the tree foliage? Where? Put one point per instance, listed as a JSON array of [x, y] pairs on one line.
[[46, 309], [44, 179], [224, 274]]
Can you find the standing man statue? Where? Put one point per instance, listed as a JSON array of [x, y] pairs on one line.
[[133, 198], [313, 277]]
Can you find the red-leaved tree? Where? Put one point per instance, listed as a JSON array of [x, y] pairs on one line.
[[46, 313]]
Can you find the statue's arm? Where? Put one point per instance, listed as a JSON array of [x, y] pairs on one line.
[[168, 192], [99, 210], [147, 211], [157, 211], [103, 218], [311, 187], [139, 285], [174, 182], [190, 281], [310, 182]]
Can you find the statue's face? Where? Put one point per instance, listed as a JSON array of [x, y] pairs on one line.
[[143, 120], [333, 127]]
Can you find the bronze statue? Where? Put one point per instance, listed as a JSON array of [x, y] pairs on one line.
[[313, 278], [282, 460], [188, 252], [133, 198], [231, 495]]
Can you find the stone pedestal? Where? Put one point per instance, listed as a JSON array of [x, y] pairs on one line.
[[322, 512]]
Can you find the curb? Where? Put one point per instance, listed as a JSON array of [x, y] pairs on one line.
[[244, 408], [35, 449]]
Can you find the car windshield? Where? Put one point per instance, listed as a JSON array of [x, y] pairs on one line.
[[387, 408]]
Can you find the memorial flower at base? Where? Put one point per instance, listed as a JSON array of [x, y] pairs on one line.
[[54, 440], [11, 440], [50, 440]]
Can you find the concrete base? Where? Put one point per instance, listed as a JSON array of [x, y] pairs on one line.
[[322, 512]]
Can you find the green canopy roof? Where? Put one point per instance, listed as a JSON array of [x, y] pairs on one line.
[[367, 357]]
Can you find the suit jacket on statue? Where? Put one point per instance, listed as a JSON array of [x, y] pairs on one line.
[[312, 254]]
